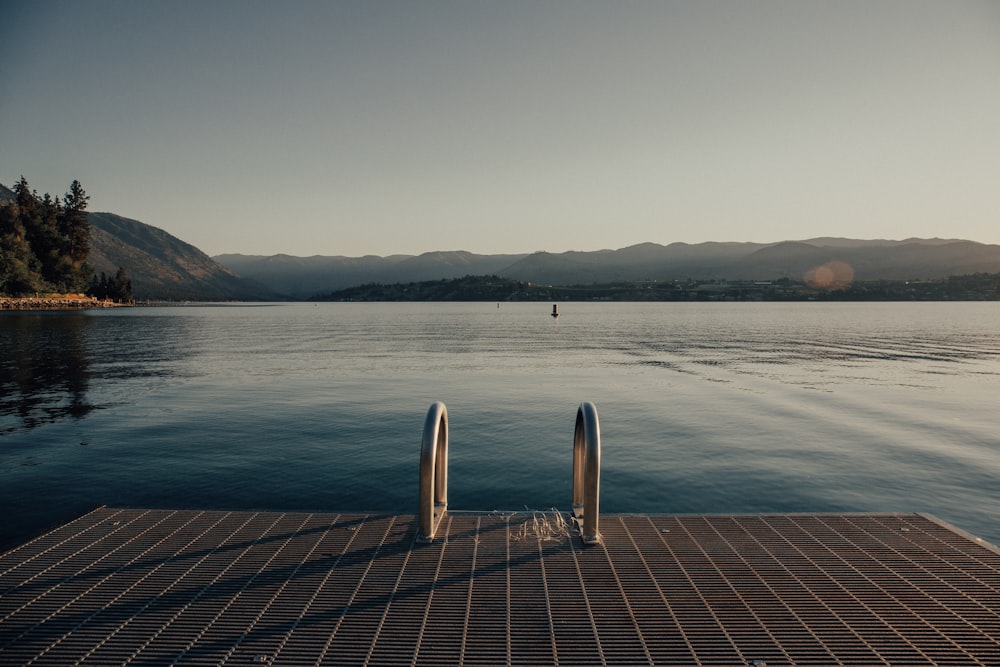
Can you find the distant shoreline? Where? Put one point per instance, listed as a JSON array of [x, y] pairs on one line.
[[63, 302]]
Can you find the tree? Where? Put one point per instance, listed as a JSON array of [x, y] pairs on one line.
[[28, 228], [18, 264], [49, 245], [75, 229], [121, 287], [98, 286], [27, 199], [44, 242], [118, 288]]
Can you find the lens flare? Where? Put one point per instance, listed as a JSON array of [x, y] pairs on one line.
[[832, 275]]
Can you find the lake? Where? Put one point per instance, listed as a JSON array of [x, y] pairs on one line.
[[704, 408]]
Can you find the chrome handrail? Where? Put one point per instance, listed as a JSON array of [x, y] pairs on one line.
[[587, 472], [433, 499]]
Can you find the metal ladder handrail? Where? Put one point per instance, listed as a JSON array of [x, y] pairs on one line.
[[587, 472], [433, 492]]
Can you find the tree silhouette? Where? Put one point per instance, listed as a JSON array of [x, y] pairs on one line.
[[44, 242]]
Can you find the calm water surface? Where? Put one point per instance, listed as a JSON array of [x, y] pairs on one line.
[[704, 408]]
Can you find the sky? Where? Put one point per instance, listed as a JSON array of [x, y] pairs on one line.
[[378, 127]]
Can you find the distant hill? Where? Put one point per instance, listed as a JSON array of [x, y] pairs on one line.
[[975, 287], [913, 259], [159, 265], [908, 259], [163, 267], [304, 277]]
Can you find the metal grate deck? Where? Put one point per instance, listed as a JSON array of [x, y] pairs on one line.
[[159, 587]]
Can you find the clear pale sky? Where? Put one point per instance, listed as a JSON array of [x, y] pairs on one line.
[[371, 127]]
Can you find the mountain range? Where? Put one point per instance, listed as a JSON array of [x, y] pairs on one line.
[[161, 266], [910, 259]]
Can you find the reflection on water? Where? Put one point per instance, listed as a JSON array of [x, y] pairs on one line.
[[44, 371], [58, 366]]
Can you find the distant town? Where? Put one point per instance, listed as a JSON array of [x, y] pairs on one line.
[[975, 287]]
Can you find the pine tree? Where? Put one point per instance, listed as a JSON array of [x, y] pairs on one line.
[[121, 287], [17, 262], [27, 199], [117, 289], [50, 246], [75, 229], [18, 223], [44, 242], [94, 289]]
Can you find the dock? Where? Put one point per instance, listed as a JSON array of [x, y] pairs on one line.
[[128, 586], [183, 587]]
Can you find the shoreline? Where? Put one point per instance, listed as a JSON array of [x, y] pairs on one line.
[[62, 302]]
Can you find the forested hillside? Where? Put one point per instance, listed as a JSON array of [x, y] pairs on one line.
[[54, 245], [163, 267], [44, 241]]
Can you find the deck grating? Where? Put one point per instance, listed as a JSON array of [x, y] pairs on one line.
[[161, 587]]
